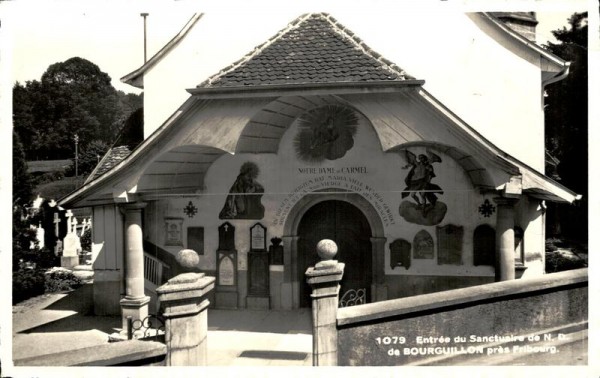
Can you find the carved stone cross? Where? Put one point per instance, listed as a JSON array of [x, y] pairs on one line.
[[56, 222]]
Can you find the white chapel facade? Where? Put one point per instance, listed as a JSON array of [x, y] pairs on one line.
[[421, 157]]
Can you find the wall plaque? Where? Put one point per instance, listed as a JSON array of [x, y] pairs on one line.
[[173, 232], [423, 245], [258, 239], [400, 253], [226, 271], [226, 237], [258, 273], [450, 239], [276, 252]]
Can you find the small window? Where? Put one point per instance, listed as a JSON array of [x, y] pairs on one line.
[[195, 239]]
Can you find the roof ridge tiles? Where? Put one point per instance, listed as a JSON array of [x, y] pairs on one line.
[[247, 66], [367, 49], [255, 51]]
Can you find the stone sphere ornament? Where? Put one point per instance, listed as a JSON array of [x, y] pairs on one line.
[[327, 249], [188, 258]]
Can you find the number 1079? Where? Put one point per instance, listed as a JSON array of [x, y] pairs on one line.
[[387, 340]]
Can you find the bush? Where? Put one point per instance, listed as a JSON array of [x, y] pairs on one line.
[[558, 262], [27, 283], [86, 240], [59, 279]]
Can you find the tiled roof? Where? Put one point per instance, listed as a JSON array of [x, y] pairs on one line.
[[314, 48], [110, 159]]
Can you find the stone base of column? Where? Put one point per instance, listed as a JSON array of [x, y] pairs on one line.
[[137, 308], [69, 261]]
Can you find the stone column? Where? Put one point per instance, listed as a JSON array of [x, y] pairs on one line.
[[184, 304], [135, 303], [505, 238], [324, 280]]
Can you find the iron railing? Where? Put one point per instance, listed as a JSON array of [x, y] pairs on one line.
[[151, 328]]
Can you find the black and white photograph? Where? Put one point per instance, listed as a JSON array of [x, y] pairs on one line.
[[235, 187]]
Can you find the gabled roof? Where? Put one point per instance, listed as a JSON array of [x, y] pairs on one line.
[[552, 59], [313, 48], [345, 59], [112, 157], [136, 78]]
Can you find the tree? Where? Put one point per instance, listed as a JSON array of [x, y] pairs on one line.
[[72, 97], [22, 183], [91, 155], [566, 113]]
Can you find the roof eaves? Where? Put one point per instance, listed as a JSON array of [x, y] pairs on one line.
[[560, 63], [267, 90], [98, 166], [149, 142], [534, 179], [136, 78]]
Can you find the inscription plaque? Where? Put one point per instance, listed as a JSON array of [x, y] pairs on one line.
[[423, 245], [226, 272], [173, 231], [258, 234]]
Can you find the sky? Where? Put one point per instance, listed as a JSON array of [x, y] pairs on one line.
[[110, 34]]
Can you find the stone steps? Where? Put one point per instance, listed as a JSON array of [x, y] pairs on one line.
[[84, 272]]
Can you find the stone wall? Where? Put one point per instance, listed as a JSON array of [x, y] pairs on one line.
[[125, 353], [501, 315]]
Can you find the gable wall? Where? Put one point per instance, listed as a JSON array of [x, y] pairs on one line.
[[490, 87], [494, 90], [365, 169]]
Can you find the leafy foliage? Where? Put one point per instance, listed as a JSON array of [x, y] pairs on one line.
[[72, 97], [27, 283], [558, 262], [61, 280], [22, 181], [566, 112], [89, 157], [86, 240]]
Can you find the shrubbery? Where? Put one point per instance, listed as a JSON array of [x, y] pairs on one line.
[[27, 283], [59, 279], [558, 262], [86, 240], [564, 255]]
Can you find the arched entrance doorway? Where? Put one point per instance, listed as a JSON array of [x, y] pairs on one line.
[[345, 224]]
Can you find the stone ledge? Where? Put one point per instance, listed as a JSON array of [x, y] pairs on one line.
[[101, 355], [405, 306]]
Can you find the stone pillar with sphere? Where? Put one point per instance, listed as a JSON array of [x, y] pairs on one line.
[[324, 279], [184, 305]]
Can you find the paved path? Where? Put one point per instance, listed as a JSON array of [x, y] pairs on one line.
[[61, 322], [54, 323]]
